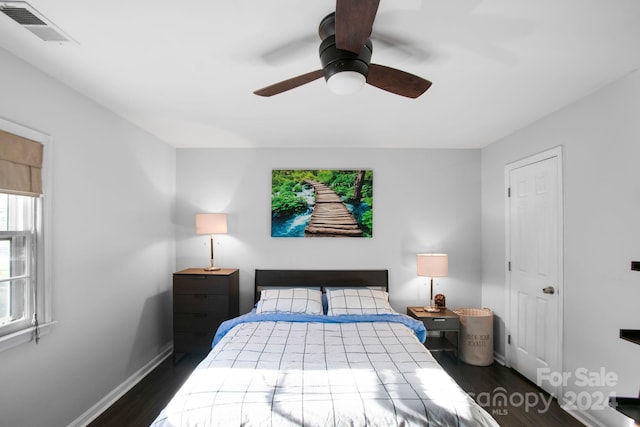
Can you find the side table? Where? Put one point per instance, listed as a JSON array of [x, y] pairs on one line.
[[443, 321]]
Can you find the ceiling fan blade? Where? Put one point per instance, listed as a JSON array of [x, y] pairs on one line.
[[289, 84], [354, 22], [396, 81], [291, 50]]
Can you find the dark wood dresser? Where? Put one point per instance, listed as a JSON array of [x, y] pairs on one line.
[[201, 301]]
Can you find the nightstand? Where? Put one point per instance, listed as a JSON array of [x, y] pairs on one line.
[[443, 321], [202, 300]]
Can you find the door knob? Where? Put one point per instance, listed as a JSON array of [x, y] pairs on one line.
[[549, 290]]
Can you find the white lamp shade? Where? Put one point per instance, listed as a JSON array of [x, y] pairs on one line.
[[432, 265], [346, 82], [211, 223]]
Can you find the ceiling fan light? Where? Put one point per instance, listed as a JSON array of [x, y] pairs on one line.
[[346, 82]]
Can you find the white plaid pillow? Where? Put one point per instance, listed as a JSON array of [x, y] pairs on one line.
[[304, 301], [358, 301]]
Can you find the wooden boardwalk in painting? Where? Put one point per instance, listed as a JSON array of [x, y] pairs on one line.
[[330, 217]]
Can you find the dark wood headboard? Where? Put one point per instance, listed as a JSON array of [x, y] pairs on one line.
[[320, 279]]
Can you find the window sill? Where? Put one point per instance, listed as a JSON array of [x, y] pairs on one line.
[[23, 336]]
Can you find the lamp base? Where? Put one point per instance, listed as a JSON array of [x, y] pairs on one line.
[[212, 269], [430, 309]]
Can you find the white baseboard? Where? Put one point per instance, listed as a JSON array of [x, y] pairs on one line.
[[104, 403], [499, 358], [585, 418], [600, 417]]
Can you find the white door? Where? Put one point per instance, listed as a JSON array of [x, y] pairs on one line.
[[534, 259]]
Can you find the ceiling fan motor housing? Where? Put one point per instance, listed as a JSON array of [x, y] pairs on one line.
[[327, 26], [348, 68], [335, 60]]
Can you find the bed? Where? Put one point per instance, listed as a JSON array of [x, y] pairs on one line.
[[321, 348]]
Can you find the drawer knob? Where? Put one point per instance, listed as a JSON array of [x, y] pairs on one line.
[[200, 296]]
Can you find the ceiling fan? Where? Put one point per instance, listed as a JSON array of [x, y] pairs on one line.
[[345, 55]]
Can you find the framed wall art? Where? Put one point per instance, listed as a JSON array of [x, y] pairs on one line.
[[321, 203]]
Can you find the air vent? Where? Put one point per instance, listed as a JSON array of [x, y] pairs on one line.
[[25, 15]]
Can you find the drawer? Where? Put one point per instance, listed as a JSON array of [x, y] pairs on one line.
[[441, 323], [197, 342], [201, 284], [194, 303], [197, 322]]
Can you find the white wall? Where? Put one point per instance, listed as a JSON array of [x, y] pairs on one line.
[[600, 136], [113, 252], [424, 201]]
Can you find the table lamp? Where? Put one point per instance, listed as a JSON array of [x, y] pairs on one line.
[[432, 265], [211, 223]]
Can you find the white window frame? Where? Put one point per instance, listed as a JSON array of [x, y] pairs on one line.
[[43, 256]]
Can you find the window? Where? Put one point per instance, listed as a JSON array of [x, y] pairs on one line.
[[25, 299], [17, 261]]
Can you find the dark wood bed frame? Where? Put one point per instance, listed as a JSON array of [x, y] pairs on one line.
[[320, 279]]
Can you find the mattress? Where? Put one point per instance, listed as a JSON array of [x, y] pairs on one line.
[[316, 371]]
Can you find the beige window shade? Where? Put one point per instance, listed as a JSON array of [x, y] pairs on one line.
[[20, 165]]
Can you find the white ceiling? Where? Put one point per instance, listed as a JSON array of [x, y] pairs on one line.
[[185, 70]]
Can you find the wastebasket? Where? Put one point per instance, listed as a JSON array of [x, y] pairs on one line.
[[476, 329]]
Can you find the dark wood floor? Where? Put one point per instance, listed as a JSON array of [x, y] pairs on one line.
[[141, 405], [487, 383]]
